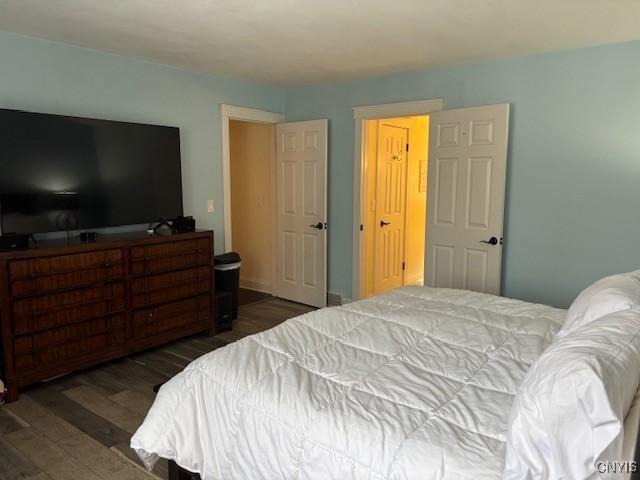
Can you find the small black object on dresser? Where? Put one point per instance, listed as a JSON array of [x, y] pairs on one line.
[[183, 225], [88, 237], [14, 241]]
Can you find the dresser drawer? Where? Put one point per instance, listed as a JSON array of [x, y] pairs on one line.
[[167, 287], [68, 343], [66, 271], [53, 310], [156, 320], [170, 256]]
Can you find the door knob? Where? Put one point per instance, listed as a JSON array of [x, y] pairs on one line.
[[491, 241], [383, 223], [318, 225]]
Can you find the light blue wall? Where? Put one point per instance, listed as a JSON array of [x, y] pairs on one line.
[[573, 187], [44, 76], [574, 165]]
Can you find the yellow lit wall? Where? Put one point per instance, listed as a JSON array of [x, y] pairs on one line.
[[251, 146], [416, 200]]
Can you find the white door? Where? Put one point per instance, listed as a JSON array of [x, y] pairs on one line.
[[466, 184], [391, 186], [301, 186]]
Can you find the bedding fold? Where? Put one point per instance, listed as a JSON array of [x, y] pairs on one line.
[[415, 383]]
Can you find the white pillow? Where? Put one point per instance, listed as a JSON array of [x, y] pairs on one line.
[[569, 410], [607, 295]]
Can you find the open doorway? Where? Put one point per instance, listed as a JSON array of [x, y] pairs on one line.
[[285, 175], [467, 162], [394, 187], [252, 184]]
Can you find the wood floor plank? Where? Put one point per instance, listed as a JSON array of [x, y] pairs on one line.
[[54, 427], [26, 409], [93, 425], [94, 401], [136, 376], [160, 469], [211, 342], [101, 460], [15, 465], [38, 476], [98, 377], [185, 351], [247, 297], [230, 336], [9, 422], [48, 457], [160, 366], [93, 455], [201, 348], [43, 421], [139, 371], [133, 401], [152, 357]]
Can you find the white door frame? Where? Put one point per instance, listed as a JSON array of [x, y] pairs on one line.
[[231, 112], [362, 114]]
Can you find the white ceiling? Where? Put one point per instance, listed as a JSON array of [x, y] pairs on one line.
[[291, 42]]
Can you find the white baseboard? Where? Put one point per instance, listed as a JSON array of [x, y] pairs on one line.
[[336, 299], [256, 285]]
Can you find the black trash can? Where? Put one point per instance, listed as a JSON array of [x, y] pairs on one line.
[[227, 268]]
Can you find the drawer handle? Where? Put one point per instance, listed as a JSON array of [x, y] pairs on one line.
[[36, 314], [107, 264], [33, 274]]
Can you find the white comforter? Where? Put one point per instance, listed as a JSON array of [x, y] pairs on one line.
[[413, 384]]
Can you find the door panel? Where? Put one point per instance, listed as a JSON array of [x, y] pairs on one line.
[[475, 273], [478, 192], [390, 207], [445, 199], [442, 270], [301, 158], [466, 185]]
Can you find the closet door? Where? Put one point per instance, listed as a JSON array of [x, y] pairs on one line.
[[391, 193]]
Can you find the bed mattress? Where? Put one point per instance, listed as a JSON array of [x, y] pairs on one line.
[[415, 383]]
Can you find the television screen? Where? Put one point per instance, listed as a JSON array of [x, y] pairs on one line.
[[66, 173]]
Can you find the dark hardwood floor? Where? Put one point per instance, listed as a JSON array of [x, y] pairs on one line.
[[247, 297], [78, 426]]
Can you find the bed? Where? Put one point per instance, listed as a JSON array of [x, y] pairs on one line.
[[415, 383]]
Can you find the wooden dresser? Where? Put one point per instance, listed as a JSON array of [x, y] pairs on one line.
[[69, 307]]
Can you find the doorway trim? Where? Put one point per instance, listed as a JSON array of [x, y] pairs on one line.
[[360, 115], [231, 112]]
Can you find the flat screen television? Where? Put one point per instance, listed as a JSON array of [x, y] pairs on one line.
[[66, 173]]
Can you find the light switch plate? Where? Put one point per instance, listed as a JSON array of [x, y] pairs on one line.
[[210, 206]]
